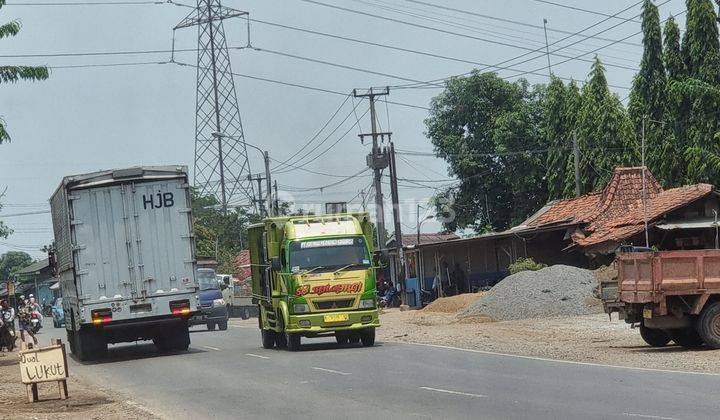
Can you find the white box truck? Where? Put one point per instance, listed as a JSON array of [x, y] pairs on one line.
[[125, 256]]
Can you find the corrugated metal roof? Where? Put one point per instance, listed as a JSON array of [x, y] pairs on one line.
[[34, 267]]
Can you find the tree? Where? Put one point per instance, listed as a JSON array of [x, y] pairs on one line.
[[648, 99], [700, 91], [558, 139], [12, 74], [573, 106], [487, 129], [220, 235], [561, 107], [12, 262], [605, 132], [677, 109]]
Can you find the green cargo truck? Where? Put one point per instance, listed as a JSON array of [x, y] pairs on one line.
[[313, 276]]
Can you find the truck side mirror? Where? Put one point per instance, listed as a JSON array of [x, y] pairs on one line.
[[275, 264]]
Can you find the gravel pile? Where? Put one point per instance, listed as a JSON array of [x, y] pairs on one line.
[[558, 290], [453, 304]]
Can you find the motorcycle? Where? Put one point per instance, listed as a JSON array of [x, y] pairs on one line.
[[7, 338], [47, 310], [390, 300], [35, 323]]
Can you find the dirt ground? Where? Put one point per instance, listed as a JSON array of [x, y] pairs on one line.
[[86, 401], [589, 338]]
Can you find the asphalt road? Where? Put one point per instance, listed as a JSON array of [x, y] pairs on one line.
[[228, 375]]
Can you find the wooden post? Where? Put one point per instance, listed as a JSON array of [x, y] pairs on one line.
[[62, 384]]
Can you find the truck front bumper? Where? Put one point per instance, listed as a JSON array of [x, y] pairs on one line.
[[317, 323]]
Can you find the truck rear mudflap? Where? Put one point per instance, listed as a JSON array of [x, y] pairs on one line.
[[327, 322], [138, 329]]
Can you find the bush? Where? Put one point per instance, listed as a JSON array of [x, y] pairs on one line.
[[525, 264]]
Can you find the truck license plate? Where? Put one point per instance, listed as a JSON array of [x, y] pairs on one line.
[[647, 313], [336, 318]]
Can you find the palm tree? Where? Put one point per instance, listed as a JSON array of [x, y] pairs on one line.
[[12, 74]]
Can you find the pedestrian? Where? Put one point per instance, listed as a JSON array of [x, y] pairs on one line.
[[437, 285], [24, 322], [460, 280]]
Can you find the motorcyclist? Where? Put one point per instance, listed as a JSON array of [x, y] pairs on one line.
[[25, 321], [8, 316], [36, 308]]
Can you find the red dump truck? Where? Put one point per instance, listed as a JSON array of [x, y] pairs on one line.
[[672, 295]]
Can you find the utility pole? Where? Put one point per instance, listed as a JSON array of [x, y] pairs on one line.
[[644, 186], [260, 200], [268, 185], [396, 220], [276, 207], [377, 160], [576, 155], [417, 221], [547, 47]]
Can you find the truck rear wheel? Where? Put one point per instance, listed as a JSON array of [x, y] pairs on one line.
[[686, 337], [708, 325], [654, 337], [175, 338], [90, 344]]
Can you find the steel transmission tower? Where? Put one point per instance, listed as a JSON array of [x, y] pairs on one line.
[[221, 160]]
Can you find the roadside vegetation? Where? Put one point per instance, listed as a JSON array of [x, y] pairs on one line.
[[511, 144]]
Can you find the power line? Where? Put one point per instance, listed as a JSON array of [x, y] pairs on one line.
[[521, 47], [579, 9], [540, 50], [331, 146], [87, 3], [515, 22], [29, 213], [312, 139], [452, 23], [247, 76], [334, 184]]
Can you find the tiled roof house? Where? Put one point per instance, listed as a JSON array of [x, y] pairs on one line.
[[615, 214]]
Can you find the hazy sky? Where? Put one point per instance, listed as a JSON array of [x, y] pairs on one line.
[[89, 118]]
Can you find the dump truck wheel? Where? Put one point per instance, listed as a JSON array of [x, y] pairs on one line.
[[268, 338], [293, 341], [354, 338], [341, 338], [368, 337], [280, 336], [708, 325], [654, 337], [686, 337]]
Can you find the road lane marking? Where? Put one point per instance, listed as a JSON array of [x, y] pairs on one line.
[[337, 372], [569, 362], [648, 416], [212, 348], [256, 355], [447, 391]]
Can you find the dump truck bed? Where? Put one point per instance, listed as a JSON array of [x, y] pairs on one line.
[[645, 277]]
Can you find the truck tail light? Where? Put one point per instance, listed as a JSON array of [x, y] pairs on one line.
[[180, 307], [101, 316]]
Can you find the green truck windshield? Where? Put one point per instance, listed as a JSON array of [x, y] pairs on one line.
[[330, 254]]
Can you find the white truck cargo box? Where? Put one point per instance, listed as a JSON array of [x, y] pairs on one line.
[[125, 251]]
